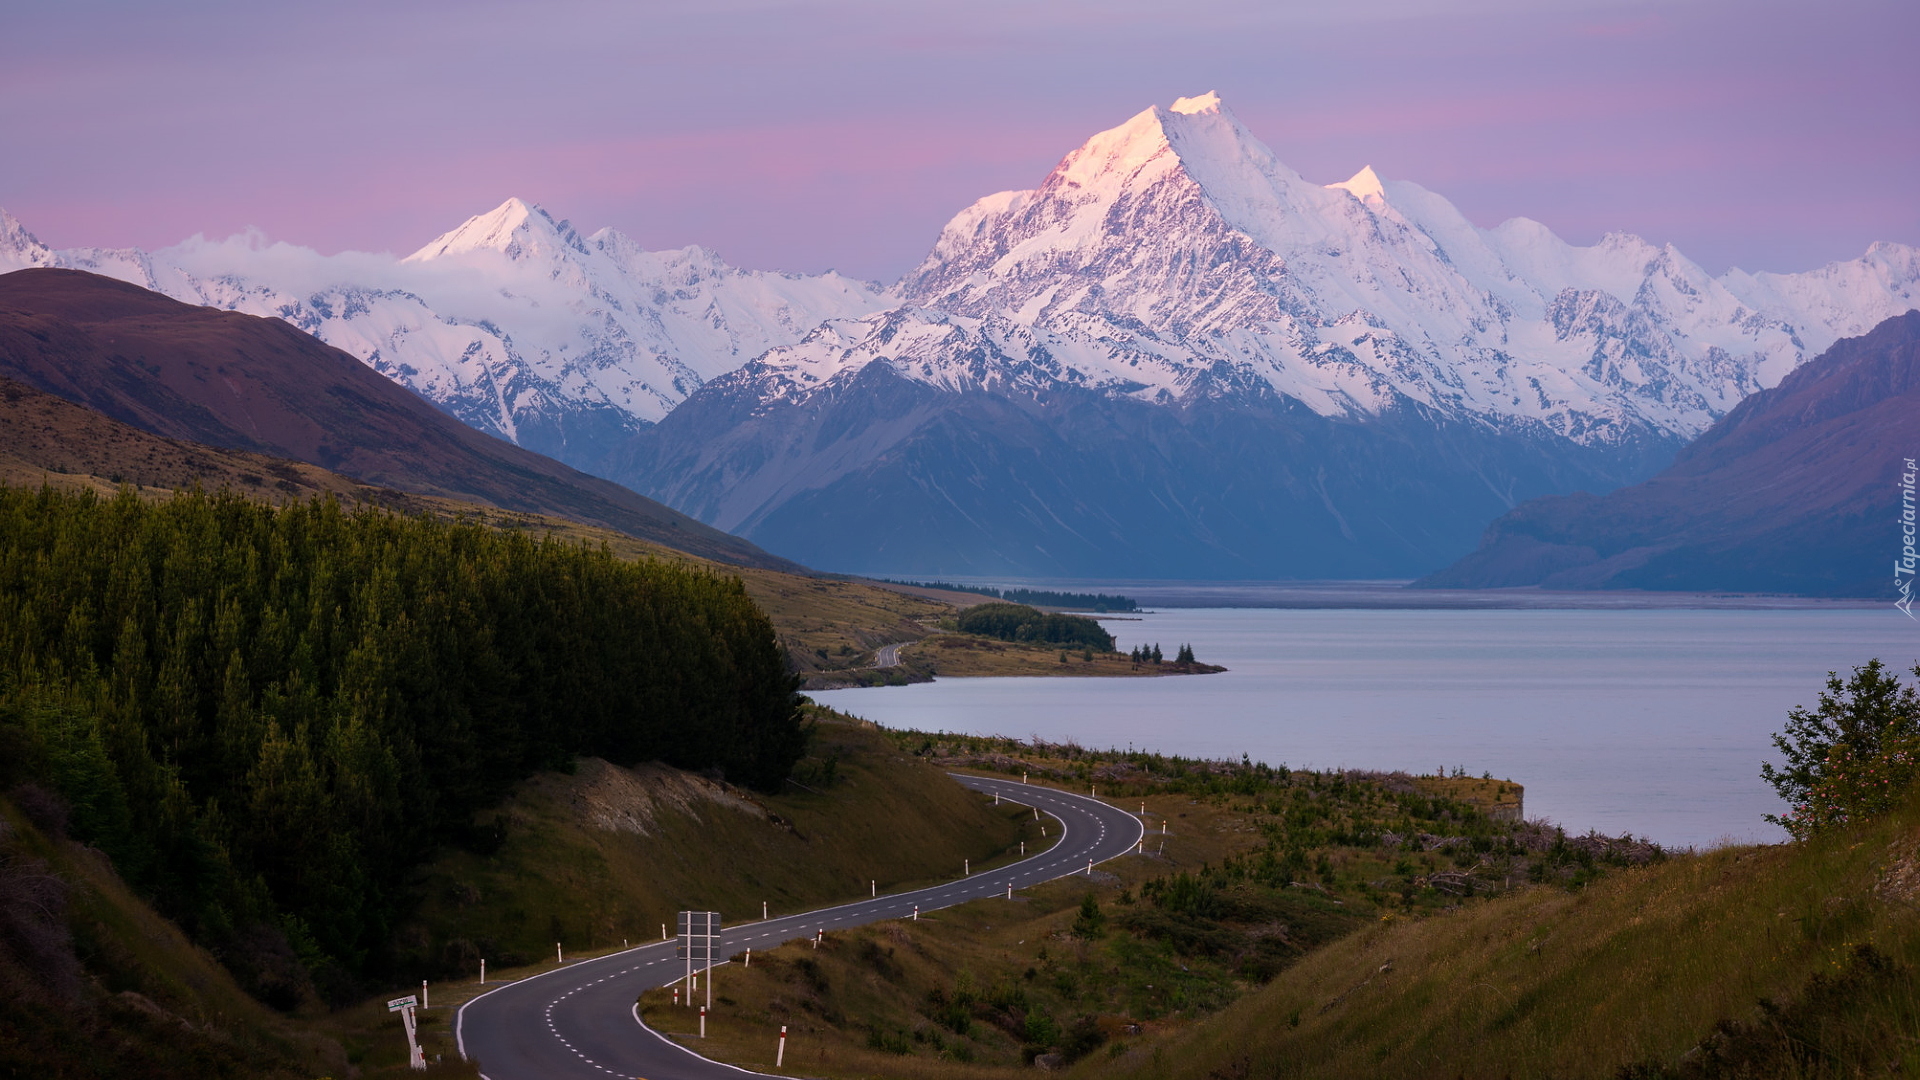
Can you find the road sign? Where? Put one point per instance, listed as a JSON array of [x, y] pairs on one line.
[[416, 1057], [699, 946], [699, 937]]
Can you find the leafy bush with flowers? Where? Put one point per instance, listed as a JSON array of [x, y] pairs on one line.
[[1855, 756]]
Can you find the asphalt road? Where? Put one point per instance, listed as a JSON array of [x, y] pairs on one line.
[[889, 655], [579, 1021]]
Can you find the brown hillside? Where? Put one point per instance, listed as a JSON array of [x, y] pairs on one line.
[[1794, 491], [245, 383]]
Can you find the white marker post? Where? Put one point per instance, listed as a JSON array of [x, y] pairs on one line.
[[416, 1058], [1009, 890], [916, 913], [1023, 847], [873, 887], [483, 973], [763, 911], [996, 798], [780, 1054], [423, 995], [703, 1021], [1023, 778], [966, 867], [749, 962], [699, 933], [558, 956], [1089, 867]]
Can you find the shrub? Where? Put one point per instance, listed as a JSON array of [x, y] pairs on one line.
[[1853, 757]]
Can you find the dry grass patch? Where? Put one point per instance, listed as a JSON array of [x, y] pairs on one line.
[[1633, 972]]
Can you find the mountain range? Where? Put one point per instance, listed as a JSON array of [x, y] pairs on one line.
[[1174, 357], [238, 382], [1797, 490]]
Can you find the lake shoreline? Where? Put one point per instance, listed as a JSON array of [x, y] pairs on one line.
[[1393, 595]]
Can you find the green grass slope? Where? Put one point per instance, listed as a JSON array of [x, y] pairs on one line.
[[1794, 960], [93, 983], [607, 854]]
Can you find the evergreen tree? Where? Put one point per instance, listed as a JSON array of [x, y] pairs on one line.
[[266, 716]]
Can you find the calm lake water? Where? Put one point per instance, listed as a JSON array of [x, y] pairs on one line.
[[1653, 722]]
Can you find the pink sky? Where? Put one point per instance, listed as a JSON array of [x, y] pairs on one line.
[[843, 133]]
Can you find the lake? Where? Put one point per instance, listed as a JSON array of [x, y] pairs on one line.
[[1642, 720]]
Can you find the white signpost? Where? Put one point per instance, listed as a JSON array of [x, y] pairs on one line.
[[699, 944], [405, 1006]]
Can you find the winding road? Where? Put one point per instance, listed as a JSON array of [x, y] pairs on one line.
[[579, 1021]]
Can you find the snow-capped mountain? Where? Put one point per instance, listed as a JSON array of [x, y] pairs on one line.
[[1171, 284], [1176, 252], [1174, 356], [513, 322]]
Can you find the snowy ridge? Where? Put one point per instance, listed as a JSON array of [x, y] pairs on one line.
[[1177, 246], [1169, 259], [513, 322]]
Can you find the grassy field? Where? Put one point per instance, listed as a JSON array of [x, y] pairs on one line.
[[950, 995], [1757, 961], [1246, 871], [1790, 960]]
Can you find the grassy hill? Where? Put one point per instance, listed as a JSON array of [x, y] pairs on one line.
[[1758, 961], [1791, 960], [607, 853], [94, 984]]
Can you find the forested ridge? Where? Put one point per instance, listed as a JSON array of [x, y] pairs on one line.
[[267, 716]]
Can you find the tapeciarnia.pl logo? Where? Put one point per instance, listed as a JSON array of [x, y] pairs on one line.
[[1903, 566]]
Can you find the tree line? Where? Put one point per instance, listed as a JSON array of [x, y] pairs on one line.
[[266, 716], [1100, 602], [1016, 622]]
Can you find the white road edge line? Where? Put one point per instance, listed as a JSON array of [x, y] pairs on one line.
[[686, 1050], [460, 1016]]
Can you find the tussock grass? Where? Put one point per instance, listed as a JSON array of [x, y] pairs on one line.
[[866, 813], [1632, 972]]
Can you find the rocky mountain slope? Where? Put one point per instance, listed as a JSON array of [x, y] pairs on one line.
[[1176, 357], [235, 381], [1797, 490]]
